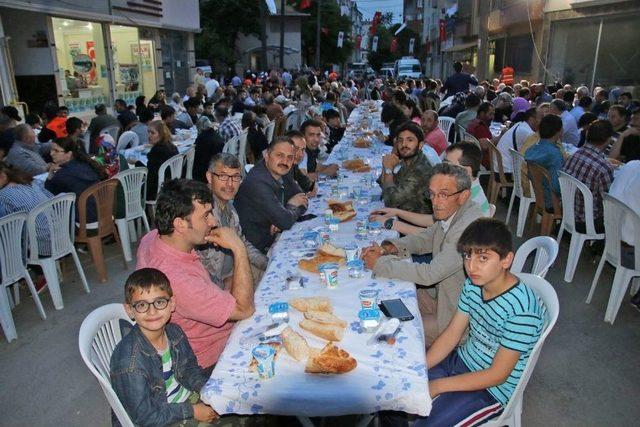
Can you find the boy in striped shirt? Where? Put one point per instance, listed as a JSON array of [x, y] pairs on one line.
[[472, 383], [153, 369]]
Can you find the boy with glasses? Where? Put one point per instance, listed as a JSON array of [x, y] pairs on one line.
[[156, 393]]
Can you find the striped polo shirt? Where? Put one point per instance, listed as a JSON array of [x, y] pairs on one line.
[[176, 393], [513, 320]]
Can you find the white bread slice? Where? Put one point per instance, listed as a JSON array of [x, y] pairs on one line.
[[328, 332], [325, 318]]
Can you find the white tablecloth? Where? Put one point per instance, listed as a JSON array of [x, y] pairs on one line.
[[388, 377]]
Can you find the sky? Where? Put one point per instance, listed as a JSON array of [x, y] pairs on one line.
[[369, 7]]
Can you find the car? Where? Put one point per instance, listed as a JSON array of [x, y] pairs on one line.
[[408, 67], [386, 73]]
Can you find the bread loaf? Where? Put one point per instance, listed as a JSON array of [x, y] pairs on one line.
[[312, 303], [330, 360], [325, 318], [295, 344], [329, 332]]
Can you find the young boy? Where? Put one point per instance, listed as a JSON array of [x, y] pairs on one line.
[[472, 383], [153, 369]]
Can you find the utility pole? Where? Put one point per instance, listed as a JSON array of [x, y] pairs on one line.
[[281, 35], [318, 36], [263, 35]]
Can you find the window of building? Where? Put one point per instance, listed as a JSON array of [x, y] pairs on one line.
[[134, 64], [82, 67], [571, 51]]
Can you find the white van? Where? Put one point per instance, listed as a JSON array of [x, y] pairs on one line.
[[409, 67]]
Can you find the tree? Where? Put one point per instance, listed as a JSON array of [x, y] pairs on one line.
[[221, 22], [386, 32], [331, 23]]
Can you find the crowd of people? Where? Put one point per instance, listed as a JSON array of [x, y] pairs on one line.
[[200, 265]]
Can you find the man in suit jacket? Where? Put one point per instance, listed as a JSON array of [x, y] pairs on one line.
[[453, 210]]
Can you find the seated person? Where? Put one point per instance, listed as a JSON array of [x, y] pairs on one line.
[[433, 135], [256, 139], [224, 176], [204, 311], [73, 171], [312, 131], [162, 149], [465, 154], [156, 393], [307, 184], [336, 130], [208, 144], [392, 117], [125, 115], [504, 320], [547, 154], [268, 201], [590, 166], [449, 190], [471, 104], [403, 188], [24, 153]]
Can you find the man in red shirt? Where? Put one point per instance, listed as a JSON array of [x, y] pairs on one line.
[[203, 310], [479, 127], [433, 135]]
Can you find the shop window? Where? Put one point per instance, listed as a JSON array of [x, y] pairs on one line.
[[519, 53], [83, 72], [571, 51], [618, 59], [134, 63]]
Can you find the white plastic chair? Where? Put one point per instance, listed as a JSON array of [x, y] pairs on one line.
[[466, 136], [242, 148], [128, 139], [293, 120], [568, 187], [175, 171], [232, 146], [492, 210], [111, 130], [99, 335], [13, 268], [546, 252], [269, 131], [59, 215], [512, 412], [133, 182], [86, 141], [445, 123], [189, 158], [248, 167], [517, 160], [616, 213]]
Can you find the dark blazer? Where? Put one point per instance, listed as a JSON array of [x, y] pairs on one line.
[[208, 144], [159, 154]]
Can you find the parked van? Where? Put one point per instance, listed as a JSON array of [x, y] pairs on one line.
[[409, 67], [386, 72]]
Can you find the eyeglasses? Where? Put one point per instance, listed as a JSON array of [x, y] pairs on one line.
[[441, 195], [225, 178], [143, 306]]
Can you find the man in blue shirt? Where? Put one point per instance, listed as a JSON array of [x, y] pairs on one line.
[[547, 154], [458, 81]]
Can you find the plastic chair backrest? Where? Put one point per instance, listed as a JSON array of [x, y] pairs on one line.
[[445, 123], [516, 161], [99, 335], [59, 216], [12, 248], [269, 130], [189, 158], [292, 121], [495, 160], [466, 136], [551, 307], [546, 249], [492, 210], [103, 194], [616, 214], [538, 175], [248, 167], [568, 187], [242, 148], [133, 182], [128, 139], [86, 141], [111, 130], [175, 169], [232, 145]]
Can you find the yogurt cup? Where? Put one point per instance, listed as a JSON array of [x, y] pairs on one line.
[[369, 319], [279, 312], [330, 271], [265, 356], [368, 299]]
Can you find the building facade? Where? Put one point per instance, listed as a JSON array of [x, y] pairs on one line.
[[83, 53]]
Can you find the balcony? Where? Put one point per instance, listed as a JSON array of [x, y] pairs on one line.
[[515, 13]]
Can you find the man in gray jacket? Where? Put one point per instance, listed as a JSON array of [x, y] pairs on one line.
[[224, 176], [24, 153], [453, 210]]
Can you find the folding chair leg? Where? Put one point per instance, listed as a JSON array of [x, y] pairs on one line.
[[6, 318], [36, 297], [124, 229], [513, 198], [596, 278], [95, 247], [575, 250], [16, 292], [116, 236], [83, 278], [618, 290], [523, 211], [53, 282], [133, 230]]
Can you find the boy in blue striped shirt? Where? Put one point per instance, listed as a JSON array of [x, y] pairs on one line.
[[472, 383]]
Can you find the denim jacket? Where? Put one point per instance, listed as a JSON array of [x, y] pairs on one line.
[[137, 379]]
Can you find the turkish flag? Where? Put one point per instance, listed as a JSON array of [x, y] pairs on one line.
[[443, 30], [358, 41], [305, 4], [394, 45], [377, 18]]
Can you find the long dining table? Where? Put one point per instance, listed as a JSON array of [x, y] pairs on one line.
[[387, 377]]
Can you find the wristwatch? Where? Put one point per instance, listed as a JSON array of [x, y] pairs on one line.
[[388, 224], [388, 171]]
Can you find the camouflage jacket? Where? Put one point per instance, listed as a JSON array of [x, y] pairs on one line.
[[410, 182]]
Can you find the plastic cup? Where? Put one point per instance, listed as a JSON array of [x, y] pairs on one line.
[[265, 355], [334, 224], [369, 319], [352, 251], [330, 271], [368, 298], [310, 239], [328, 214], [375, 228], [356, 268]]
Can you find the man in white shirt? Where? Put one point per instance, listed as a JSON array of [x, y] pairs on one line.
[[211, 86], [570, 131], [515, 137]]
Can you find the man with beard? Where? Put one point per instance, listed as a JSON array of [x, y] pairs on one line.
[[312, 131], [453, 210], [404, 188], [300, 176], [268, 200]]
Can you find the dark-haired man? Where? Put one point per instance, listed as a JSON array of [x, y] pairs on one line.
[[100, 121], [479, 127], [125, 115], [516, 136], [268, 200], [458, 81], [570, 131], [403, 189], [203, 310], [312, 131], [300, 176]]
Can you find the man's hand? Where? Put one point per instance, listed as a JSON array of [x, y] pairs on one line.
[[331, 170], [382, 214], [274, 230], [371, 254], [314, 192], [434, 388], [299, 199], [225, 237], [390, 161], [204, 413]]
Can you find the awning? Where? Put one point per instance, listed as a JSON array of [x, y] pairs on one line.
[[288, 50], [462, 46]]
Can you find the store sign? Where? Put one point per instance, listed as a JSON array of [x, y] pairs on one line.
[[82, 63]]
